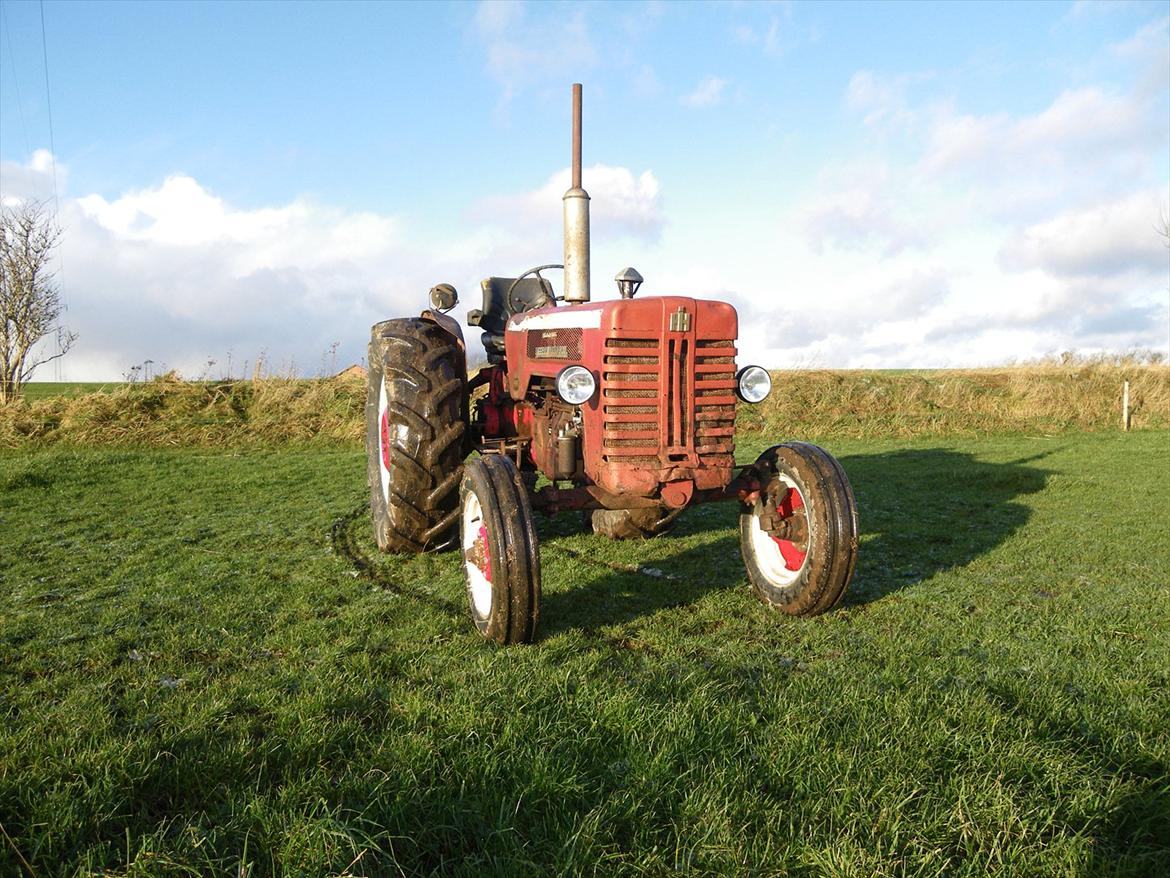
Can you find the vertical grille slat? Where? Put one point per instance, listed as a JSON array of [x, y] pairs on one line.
[[669, 392], [683, 392]]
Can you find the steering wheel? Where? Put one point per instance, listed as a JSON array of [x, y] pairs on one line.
[[511, 289]]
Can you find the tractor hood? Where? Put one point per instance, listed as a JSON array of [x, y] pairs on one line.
[[651, 314]]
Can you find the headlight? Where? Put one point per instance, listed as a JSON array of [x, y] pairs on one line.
[[575, 384], [753, 384]]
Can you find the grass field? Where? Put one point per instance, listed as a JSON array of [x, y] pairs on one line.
[[206, 669], [37, 390]]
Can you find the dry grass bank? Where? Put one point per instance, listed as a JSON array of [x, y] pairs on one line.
[[1038, 398], [169, 411]]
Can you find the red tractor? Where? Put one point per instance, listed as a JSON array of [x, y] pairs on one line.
[[626, 407]]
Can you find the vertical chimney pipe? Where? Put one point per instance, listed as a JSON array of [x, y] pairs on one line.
[[576, 203], [576, 135]]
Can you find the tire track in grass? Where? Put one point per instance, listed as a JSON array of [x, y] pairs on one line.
[[345, 545], [652, 572]]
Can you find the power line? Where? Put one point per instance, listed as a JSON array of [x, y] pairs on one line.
[[49, 106], [53, 164], [15, 82]]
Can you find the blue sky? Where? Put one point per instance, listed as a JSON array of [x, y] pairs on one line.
[[871, 184]]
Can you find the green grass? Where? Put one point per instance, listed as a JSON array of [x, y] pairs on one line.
[[35, 390], [205, 668]]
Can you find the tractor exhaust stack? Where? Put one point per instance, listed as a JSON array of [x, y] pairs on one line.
[[576, 203]]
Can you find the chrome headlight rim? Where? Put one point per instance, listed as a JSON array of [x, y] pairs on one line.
[[572, 393], [753, 372]]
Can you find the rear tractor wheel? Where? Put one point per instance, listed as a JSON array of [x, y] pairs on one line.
[[799, 539], [501, 558], [416, 424]]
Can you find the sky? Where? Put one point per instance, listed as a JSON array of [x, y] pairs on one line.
[[872, 185]]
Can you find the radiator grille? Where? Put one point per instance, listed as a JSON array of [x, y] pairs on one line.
[[648, 401]]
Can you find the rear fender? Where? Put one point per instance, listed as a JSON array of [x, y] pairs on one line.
[[449, 325]]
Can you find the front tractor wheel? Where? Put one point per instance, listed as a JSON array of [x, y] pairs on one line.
[[416, 407], [799, 538], [501, 558]]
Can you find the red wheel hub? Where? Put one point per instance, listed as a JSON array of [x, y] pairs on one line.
[[385, 436], [486, 553], [787, 506]]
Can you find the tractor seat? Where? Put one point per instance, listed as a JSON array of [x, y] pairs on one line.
[[531, 292]]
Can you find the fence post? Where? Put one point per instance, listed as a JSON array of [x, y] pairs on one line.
[[1125, 407]]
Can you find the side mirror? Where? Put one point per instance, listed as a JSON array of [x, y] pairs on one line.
[[443, 297]]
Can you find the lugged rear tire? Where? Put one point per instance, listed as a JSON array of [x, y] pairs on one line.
[[803, 565], [416, 427], [632, 524]]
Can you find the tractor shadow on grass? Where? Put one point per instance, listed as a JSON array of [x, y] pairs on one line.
[[921, 512]]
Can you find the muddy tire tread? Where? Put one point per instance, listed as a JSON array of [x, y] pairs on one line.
[[822, 585], [426, 389], [515, 550]]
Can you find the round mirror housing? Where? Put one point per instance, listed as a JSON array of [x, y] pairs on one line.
[[443, 297]]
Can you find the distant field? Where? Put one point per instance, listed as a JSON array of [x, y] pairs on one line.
[[68, 389], [206, 669]]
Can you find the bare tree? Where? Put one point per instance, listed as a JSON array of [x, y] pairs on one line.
[[30, 302]]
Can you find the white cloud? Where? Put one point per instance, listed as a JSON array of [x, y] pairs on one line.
[[1105, 241], [767, 31], [32, 181], [1149, 49], [1085, 145], [857, 207], [882, 98], [1149, 43], [523, 52], [177, 274], [958, 238], [1092, 8], [707, 93], [1081, 123], [622, 204], [766, 37]]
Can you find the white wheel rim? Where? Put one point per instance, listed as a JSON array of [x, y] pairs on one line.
[[474, 530], [383, 441], [769, 559]]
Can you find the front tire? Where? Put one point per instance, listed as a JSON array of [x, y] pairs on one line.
[[501, 558], [799, 538], [416, 391]]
